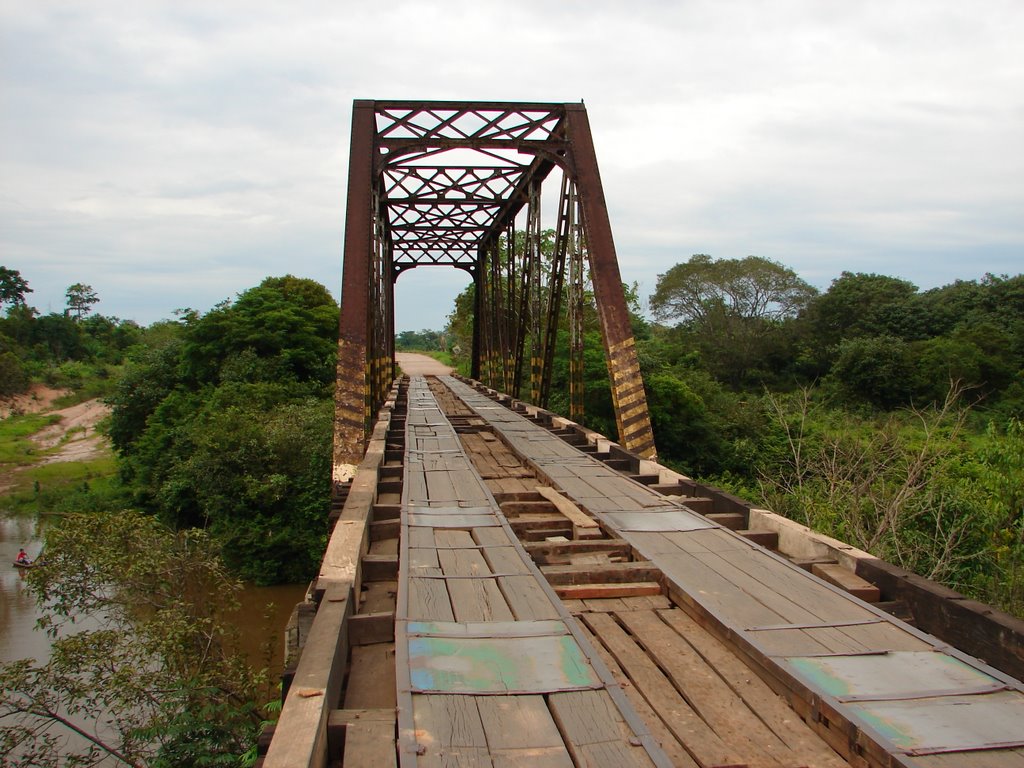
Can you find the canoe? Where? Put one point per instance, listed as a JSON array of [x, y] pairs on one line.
[[18, 564]]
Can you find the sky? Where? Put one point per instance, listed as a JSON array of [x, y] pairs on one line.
[[173, 154]]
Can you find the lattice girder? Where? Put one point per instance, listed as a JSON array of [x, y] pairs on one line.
[[438, 184]]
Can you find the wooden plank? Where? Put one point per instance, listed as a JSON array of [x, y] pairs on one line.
[[713, 700], [527, 598], [661, 696], [666, 740], [449, 732], [521, 732], [581, 521], [847, 580], [590, 591], [369, 737], [429, 600], [769, 706], [595, 732], [371, 682], [369, 628], [696, 584], [472, 599], [601, 574]]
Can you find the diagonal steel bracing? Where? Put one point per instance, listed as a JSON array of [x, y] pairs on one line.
[[443, 184]]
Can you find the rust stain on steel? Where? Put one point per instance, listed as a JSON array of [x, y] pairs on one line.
[[351, 397]]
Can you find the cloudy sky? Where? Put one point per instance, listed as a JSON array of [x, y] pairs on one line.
[[172, 154]]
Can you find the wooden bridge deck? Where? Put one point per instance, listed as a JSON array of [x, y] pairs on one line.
[[522, 603]]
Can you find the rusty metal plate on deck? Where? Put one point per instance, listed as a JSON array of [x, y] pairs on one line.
[[498, 665], [947, 724], [671, 520], [893, 675]]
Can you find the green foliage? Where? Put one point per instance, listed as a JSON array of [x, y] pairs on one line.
[[420, 341], [734, 310], [155, 679], [875, 369], [80, 298], [13, 287], [226, 426]]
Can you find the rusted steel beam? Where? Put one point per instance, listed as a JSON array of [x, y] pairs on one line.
[[351, 401], [631, 414]]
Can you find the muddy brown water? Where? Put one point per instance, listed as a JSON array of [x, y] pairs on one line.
[[261, 619]]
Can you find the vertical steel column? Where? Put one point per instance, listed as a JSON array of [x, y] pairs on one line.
[[630, 400], [576, 246], [535, 286], [478, 319], [352, 397], [556, 281]]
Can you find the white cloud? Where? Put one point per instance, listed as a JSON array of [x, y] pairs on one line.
[[174, 153]]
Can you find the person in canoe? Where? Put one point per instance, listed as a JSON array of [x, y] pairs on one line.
[[22, 558]]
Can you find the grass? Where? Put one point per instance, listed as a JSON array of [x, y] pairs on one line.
[[15, 446]]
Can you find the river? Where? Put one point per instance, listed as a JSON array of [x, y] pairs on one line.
[[261, 628]]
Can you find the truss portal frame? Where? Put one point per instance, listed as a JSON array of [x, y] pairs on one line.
[[439, 184]]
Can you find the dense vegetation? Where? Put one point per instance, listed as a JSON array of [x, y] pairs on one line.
[[222, 427], [144, 668], [884, 415], [221, 421]]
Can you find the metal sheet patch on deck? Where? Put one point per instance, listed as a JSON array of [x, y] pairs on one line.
[[948, 723], [892, 675], [498, 665]]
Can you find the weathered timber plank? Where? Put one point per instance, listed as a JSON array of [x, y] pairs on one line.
[[716, 703], [429, 600], [601, 574], [369, 737], [369, 628], [520, 731], [796, 606], [526, 598], [769, 706], [694, 583], [666, 740], [589, 591], [371, 680], [662, 697], [595, 732], [547, 548], [449, 732], [580, 520]]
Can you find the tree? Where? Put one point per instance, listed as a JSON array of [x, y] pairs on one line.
[[80, 298], [732, 307], [13, 287], [157, 680], [860, 304]]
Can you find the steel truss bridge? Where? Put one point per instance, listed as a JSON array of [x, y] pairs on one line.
[[504, 587]]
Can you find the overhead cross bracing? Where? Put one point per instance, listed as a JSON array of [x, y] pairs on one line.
[[450, 184]]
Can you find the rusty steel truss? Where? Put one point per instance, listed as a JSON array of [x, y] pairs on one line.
[[448, 184]]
